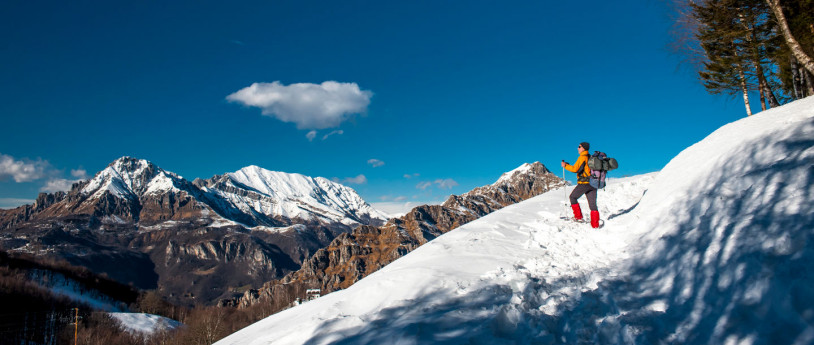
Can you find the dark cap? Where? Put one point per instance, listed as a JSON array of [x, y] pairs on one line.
[[585, 146]]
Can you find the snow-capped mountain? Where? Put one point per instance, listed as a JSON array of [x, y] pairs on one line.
[[714, 249], [136, 190], [514, 186], [144, 225], [273, 195], [129, 178]]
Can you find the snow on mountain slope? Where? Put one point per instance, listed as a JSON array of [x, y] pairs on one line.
[[443, 290], [128, 178], [61, 285], [718, 250], [249, 193], [144, 324], [298, 196], [519, 170]]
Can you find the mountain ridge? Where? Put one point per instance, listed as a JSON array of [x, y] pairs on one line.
[[212, 239], [354, 255], [129, 179], [144, 225]]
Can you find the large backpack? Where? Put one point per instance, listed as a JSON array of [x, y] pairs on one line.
[[600, 164]]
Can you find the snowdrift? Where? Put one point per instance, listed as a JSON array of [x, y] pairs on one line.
[[715, 248]]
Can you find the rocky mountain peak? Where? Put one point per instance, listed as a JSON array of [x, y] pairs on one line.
[[129, 178], [523, 182], [524, 171]]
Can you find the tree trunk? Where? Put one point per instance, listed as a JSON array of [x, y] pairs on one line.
[[745, 90], [809, 78], [794, 46], [766, 93], [773, 102], [754, 45], [796, 81]]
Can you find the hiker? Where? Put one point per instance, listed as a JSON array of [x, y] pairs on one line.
[[583, 187]]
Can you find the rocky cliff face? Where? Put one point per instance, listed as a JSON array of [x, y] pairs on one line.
[[196, 242], [352, 256]]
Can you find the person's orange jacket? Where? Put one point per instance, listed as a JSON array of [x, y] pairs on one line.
[[583, 158]]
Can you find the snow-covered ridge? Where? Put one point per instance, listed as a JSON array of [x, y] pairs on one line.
[[298, 196], [251, 190], [523, 169], [714, 249]]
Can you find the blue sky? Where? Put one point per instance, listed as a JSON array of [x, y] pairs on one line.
[[437, 97]]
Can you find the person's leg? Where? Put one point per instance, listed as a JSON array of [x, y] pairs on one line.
[[591, 196], [575, 194]]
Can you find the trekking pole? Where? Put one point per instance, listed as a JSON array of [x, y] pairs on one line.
[[564, 194], [564, 191]]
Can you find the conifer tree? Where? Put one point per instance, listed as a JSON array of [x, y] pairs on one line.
[[793, 44], [740, 44], [758, 36], [725, 68]]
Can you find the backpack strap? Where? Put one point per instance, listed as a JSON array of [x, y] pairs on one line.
[[581, 176]]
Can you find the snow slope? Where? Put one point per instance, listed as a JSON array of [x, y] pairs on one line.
[[144, 324], [715, 248], [59, 284]]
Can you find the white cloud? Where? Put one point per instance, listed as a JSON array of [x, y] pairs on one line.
[[409, 176], [9, 203], [423, 185], [447, 183], [311, 135], [64, 185], [361, 179], [309, 106], [22, 170], [25, 170], [392, 198], [398, 209], [58, 185], [375, 162], [338, 132], [80, 173]]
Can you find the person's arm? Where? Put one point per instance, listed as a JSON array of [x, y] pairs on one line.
[[575, 167]]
